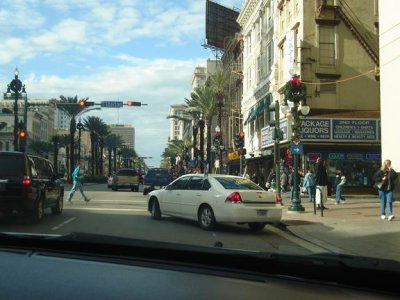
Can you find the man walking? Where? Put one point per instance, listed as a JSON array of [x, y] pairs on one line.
[[77, 184], [321, 179]]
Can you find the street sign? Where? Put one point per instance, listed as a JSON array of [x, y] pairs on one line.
[[113, 104], [296, 148]]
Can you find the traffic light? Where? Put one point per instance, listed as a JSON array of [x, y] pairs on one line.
[[22, 134], [85, 103], [236, 140], [132, 103], [274, 107], [241, 139]]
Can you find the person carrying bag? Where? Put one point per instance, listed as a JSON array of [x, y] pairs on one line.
[[384, 181]]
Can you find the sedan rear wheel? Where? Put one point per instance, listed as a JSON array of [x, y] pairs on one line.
[[257, 226], [206, 218], [155, 210]]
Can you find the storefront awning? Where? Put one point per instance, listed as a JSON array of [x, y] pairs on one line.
[[252, 115]]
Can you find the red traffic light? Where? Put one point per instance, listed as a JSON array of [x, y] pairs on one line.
[[132, 103], [22, 134], [85, 103]]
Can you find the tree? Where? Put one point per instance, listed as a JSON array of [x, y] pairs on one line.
[[202, 100], [71, 107], [55, 140], [128, 154], [112, 142], [98, 129], [40, 148]]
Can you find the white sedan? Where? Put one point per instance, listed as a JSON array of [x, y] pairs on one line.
[[215, 198]]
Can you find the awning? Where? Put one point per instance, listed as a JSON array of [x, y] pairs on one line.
[[252, 115]]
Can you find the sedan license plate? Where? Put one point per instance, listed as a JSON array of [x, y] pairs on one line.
[[261, 212]]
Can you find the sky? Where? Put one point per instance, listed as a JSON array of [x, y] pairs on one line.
[[117, 50]]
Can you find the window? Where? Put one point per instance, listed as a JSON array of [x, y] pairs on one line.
[[237, 183], [327, 45], [195, 183], [180, 184]]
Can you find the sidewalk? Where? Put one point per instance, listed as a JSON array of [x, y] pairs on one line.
[[353, 227]]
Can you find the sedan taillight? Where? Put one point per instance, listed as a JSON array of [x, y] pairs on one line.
[[234, 198]]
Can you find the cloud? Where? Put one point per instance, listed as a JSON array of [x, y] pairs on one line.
[[158, 83]]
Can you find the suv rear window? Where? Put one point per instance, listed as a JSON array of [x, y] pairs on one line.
[[158, 173], [237, 183], [11, 165], [127, 173]]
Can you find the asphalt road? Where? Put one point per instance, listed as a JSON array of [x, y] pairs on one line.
[[124, 213]]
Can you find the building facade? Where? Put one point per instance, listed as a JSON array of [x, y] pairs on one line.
[[126, 131], [389, 43], [333, 46]]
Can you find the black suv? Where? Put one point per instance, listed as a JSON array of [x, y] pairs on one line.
[[28, 184]]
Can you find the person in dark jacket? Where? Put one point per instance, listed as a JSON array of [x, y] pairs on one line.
[[387, 176], [321, 180]]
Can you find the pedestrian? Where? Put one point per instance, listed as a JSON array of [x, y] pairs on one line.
[[339, 187], [77, 184], [284, 181], [321, 180], [309, 184], [254, 178], [384, 178]]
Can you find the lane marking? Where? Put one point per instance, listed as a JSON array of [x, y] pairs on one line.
[[63, 223], [302, 243], [106, 209]]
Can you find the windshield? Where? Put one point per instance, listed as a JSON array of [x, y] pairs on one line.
[[11, 166], [261, 125]]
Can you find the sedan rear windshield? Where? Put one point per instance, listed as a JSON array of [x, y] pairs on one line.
[[237, 183], [127, 173], [11, 165]]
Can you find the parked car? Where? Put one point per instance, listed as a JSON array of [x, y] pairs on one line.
[[214, 198], [126, 179], [155, 177], [28, 184]]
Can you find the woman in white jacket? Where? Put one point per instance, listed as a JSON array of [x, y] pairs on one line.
[[339, 189]]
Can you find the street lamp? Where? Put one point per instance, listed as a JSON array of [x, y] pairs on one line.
[[19, 90], [295, 92]]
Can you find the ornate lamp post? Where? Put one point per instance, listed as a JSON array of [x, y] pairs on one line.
[[295, 91], [19, 90]]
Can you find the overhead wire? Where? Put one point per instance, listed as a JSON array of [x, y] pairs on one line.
[[339, 81]]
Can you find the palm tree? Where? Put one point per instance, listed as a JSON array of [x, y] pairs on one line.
[[176, 148], [202, 100], [71, 107], [55, 140], [128, 154], [97, 129], [65, 141], [40, 148], [112, 143]]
